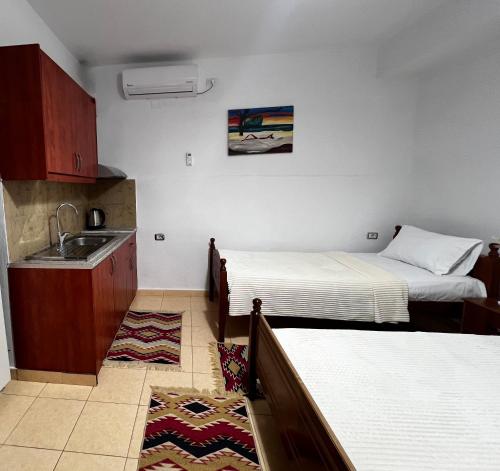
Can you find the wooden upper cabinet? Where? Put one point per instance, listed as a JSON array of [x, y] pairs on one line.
[[86, 131], [47, 121]]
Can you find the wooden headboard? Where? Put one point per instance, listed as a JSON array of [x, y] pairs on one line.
[[486, 269]]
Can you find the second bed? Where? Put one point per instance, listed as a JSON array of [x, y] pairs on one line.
[[360, 287]]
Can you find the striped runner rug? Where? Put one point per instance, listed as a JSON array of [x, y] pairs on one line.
[[147, 338]]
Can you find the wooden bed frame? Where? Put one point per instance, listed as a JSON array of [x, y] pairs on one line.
[[425, 316], [308, 439]]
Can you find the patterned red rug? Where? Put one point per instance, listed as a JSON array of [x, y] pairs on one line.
[[230, 365], [147, 337], [190, 431]]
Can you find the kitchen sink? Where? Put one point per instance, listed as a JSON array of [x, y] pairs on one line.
[[79, 247], [87, 241]]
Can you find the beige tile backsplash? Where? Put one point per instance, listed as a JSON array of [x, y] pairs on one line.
[[30, 208]]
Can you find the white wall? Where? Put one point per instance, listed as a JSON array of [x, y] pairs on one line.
[[457, 151], [20, 24], [348, 174]]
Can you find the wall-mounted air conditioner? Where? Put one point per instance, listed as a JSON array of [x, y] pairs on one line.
[[160, 82]]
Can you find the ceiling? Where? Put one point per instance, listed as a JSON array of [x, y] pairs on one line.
[[118, 31]]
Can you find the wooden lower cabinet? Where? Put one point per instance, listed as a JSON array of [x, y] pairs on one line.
[[132, 270], [64, 320]]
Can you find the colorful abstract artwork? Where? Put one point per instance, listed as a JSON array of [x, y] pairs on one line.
[[260, 130]]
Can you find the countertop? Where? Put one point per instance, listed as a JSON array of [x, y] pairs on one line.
[[120, 237]]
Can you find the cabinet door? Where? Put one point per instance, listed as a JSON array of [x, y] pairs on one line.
[[59, 100], [86, 135], [121, 266], [22, 141], [132, 274], [53, 319], [104, 308]]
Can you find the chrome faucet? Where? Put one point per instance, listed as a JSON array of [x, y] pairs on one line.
[[61, 236]]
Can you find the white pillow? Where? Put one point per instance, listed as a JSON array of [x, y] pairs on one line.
[[440, 254], [464, 267]]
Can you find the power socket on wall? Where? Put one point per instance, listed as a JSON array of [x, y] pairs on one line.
[[160, 237], [372, 235]]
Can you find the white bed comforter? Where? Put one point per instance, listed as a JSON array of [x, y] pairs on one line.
[[405, 401], [332, 285]]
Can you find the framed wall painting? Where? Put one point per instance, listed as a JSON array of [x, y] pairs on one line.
[[260, 130]]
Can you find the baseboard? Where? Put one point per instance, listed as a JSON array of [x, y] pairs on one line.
[[53, 377], [172, 292]]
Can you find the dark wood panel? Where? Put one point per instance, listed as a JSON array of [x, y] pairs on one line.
[[59, 104], [22, 145], [52, 319], [120, 282], [481, 316], [309, 441], [47, 121], [57, 177], [132, 274], [87, 135], [104, 308]]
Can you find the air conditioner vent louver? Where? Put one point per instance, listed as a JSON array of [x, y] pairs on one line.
[[161, 82]]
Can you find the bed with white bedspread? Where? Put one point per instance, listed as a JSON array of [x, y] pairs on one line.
[[337, 285], [418, 281], [404, 400]]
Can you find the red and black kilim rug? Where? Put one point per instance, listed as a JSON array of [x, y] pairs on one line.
[[148, 337], [230, 364], [197, 432]]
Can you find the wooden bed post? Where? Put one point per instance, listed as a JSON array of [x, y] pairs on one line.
[[223, 301], [396, 229], [211, 283], [252, 349], [494, 288]]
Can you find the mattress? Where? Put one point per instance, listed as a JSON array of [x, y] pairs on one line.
[[332, 285], [426, 286], [404, 400]]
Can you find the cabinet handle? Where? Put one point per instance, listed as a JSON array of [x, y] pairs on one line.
[[131, 263], [81, 159], [76, 160], [113, 263]]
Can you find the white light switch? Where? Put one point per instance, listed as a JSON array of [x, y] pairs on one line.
[[189, 159]]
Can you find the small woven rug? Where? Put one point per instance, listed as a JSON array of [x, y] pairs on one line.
[[194, 431], [230, 367], [147, 339]]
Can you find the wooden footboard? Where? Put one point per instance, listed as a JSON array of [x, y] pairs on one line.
[[309, 440]]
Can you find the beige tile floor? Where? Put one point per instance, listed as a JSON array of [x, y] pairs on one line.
[[52, 427]]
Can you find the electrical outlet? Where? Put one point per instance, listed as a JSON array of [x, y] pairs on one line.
[[189, 159], [372, 235], [159, 236]]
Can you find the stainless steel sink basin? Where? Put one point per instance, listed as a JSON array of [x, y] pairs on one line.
[[87, 241], [77, 248]]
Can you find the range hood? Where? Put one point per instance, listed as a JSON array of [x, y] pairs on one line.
[[105, 172]]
